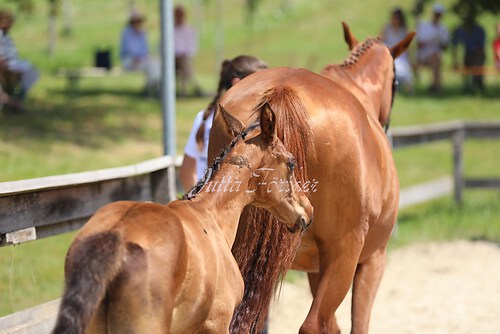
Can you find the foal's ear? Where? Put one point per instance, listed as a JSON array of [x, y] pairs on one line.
[[268, 123], [234, 125], [349, 37], [401, 47]]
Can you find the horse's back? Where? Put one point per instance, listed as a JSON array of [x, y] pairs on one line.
[[316, 92], [344, 136]]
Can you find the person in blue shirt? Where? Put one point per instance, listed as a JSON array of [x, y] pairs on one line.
[[473, 38], [134, 52]]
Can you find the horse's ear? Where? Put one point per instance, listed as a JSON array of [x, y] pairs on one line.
[[268, 123], [349, 37], [234, 125], [401, 47]]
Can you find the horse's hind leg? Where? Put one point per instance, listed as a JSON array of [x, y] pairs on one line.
[[337, 267], [313, 284], [365, 286]]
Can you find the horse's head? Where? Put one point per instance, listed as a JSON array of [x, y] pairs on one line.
[[272, 183], [385, 66]]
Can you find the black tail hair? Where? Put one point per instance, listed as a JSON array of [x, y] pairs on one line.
[[91, 264]]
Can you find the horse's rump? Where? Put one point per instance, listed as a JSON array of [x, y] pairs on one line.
[[269, 248]]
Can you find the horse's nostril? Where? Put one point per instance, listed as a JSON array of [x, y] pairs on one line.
[[303, 224]]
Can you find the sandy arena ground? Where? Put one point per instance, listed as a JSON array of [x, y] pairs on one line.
[[438, 288]]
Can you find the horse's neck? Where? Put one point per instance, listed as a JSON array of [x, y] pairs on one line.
[[359, 80], [222, 200]]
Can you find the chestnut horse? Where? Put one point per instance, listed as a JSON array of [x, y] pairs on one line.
[[339, 117], [150, 268]]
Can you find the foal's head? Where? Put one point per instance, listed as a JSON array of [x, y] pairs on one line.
[[384, 58], [272, 184]]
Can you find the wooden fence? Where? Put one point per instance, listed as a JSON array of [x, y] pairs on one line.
[[37, 208], [456, 132]]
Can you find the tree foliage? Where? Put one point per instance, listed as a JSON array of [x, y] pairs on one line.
[[469, 10], [465, 9], [23, 6]]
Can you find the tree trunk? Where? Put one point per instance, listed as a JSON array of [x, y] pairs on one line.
[[68, 17], [52, 31]]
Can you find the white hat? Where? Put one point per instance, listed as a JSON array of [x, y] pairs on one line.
[[438, 8]]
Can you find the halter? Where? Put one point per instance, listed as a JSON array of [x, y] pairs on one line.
[[395, 84], [210, 171]]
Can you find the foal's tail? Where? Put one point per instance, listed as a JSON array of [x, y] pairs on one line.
[[91, 265]]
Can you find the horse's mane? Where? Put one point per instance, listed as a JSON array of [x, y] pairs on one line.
[[269, 248], [359, 51], [211, 171]]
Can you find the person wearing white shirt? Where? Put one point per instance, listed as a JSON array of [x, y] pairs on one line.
[[432, 38], [196, 150]]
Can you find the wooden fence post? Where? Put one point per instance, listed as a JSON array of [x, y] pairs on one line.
[[458, 164]]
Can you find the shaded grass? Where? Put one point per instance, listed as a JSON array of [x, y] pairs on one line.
[[29, 279]]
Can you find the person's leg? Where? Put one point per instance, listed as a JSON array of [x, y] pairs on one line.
[[469, 77], [28, 78], [478, 79], [435, 64], [8, 102], [180, 71], [152, 71]]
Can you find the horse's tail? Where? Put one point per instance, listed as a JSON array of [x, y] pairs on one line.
[[91, 265], [269, 248]]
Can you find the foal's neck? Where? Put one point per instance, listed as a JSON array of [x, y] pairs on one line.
[[223, 198]]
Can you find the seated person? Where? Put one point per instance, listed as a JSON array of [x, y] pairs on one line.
[[6, 78], [185, 46], [134, 52], [432, 38], [473, 38], [27, 72], [496, 47]]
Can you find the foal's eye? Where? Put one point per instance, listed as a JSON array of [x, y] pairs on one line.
[[291, 165]]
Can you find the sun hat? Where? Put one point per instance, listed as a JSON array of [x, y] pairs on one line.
[[136, 16], [438, 8]]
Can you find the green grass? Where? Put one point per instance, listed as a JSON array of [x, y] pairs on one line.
[[442, 220], [108, 124], [32, 272]]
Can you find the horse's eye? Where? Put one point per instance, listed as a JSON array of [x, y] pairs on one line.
[[291, 165]]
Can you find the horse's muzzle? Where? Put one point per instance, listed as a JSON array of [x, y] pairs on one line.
[[301, 224]]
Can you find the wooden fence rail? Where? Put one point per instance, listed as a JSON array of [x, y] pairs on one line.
[[37, 208], [457, 132]]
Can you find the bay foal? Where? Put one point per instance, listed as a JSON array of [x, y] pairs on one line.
[[150, 268]]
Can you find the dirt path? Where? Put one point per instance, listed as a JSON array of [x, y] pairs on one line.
[[437, 288]]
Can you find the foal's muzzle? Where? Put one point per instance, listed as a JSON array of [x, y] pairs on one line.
[[301, 224]]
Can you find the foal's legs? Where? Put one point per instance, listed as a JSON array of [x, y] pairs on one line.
[[366, 282]]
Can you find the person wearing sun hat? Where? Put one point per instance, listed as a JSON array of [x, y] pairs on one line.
[[29, 75], [432, 38], [134, 52]]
